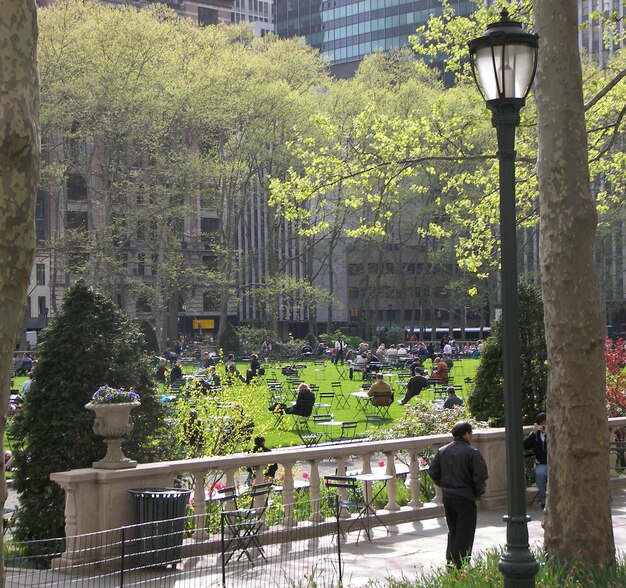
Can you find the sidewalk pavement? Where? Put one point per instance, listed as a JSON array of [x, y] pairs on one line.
[[420, 547]]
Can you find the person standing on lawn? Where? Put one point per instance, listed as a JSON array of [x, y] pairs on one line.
[[461, 472]]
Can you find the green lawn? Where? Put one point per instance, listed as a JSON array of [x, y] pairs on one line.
[[323, 376]]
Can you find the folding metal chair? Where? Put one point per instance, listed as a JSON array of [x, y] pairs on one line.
[[242, 520], [348, 497], [340, 398], [309, 438], [370, 420], [348, 432], [325, 400]]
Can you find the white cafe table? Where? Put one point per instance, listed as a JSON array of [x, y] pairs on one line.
[[362, 399], [328, 426]]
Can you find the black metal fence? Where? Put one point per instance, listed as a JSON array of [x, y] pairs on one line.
[[179, 552]]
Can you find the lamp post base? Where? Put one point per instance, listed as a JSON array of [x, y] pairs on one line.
[[518, 565]]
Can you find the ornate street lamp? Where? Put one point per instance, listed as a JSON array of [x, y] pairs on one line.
[[504, 61]]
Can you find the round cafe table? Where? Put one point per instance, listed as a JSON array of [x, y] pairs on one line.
[[368, 510]]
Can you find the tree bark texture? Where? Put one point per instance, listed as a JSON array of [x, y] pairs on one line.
[[578, 520], [19, 176]]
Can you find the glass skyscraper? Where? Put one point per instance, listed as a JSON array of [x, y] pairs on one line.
[[348, 30]]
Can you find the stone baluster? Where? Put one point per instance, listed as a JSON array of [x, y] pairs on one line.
[[391, 505], [288, 495], [414, 479], [367, 462], [230, 476], [199, 507], [314, 492]]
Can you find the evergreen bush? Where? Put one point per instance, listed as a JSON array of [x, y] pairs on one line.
[[229, 341], [486, 402], [152, 344], [89, 342]]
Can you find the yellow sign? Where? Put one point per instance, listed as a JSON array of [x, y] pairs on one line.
[[203, 324]]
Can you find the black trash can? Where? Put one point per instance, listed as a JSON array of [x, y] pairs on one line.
[[160, 513]]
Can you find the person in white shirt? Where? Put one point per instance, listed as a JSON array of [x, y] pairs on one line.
[[359, 365], [340, 347], [26, 385]]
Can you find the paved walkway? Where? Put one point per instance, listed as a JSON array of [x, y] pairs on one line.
[[420, 547]]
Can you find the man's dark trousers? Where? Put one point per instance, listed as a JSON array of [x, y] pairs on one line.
[[461, 519]]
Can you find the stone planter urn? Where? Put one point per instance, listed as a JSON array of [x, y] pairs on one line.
[[113, 422]]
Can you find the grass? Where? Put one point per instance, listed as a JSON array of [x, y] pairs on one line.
[[483, 572], [323, 376]]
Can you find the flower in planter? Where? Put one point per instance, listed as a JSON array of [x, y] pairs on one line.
[[109, 395], [381, 464]]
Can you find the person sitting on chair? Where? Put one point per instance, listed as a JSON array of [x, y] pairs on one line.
[[414, 386], [255, 368], [380, 392], [373, 363], [440, 372], [538, 442], [452, 400], [359, 365], [176, 373], [303, 406]]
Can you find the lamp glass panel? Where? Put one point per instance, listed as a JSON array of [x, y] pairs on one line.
[[505, 71]]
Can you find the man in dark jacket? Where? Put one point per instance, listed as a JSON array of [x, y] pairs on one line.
[[414, 386], [461, 472], [452, 400], [538, 442]]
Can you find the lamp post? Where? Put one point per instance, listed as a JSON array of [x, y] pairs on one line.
[[504, 62]]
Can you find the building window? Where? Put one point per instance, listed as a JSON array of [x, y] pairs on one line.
[[141, 264], [210, 301], [355, 269], [207, 16], [353, 293], [40, 207], [41, 274], [77, 220], [76, 187], [209, 228], [209, 262], [41, 306], [143, 305]]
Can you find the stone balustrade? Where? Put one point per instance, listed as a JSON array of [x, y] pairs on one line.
[[98, 500]]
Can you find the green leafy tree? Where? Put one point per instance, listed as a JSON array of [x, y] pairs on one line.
[[90, 342], [486, 401]]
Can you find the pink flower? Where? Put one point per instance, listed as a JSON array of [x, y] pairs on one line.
[[192, 501], [423, 462], [305, 476], [220, 485], [381, 464]]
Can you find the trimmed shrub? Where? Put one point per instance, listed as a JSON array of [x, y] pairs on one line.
[[486, 401], [229, 342], [89, 342]]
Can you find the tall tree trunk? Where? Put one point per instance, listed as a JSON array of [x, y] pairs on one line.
[[577, 525], [19, 177]]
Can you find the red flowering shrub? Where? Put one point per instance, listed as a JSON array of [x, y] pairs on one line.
[[615, 360]]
